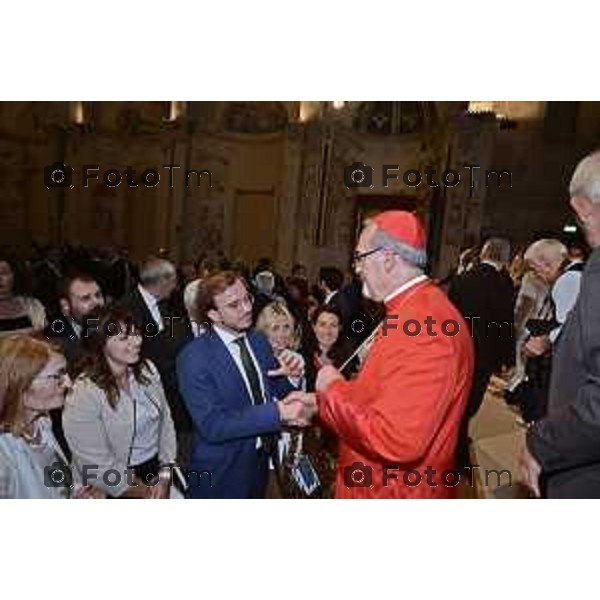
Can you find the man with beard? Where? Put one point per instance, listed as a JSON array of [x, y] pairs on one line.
[[398, 420], [80, 297]]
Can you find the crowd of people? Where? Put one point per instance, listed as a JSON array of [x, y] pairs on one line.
[[210, 379]]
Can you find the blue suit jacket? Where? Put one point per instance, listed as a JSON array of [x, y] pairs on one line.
[[226, 423]]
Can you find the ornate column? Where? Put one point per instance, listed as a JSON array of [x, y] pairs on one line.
[[471, 144]]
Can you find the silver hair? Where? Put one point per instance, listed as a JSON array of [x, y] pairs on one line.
[[546, 249], [154, 269], [265, 282], [586, 179], [413, 256]]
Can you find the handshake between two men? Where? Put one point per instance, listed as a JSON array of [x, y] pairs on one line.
[[298, 408]]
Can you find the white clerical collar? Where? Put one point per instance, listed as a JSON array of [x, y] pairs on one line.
[[405, 286], [149, 299]]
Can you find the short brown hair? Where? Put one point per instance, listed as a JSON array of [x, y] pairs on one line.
[[210, 287], [22, 358], [64, 288]]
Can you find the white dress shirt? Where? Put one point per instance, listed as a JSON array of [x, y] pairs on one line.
[[146, 440], [330, 296], [564, 295], [76, 327], [152, 304], [228, 338]]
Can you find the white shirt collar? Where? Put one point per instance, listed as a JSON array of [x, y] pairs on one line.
[[228, 337], [149, 299], [405, 286], [76, 328], [330, 296]]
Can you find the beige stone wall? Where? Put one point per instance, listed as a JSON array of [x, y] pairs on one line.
[[277, 177]]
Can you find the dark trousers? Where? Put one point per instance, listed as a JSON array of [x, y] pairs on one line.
[[481, 380], [199, 484], [259, 487], [535, 391]]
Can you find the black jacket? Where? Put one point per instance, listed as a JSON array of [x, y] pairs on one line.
[[486, 298], [162, 347], [59, 330]]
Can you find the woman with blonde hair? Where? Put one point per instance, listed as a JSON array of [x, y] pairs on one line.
[[33, 381], [278, 324]]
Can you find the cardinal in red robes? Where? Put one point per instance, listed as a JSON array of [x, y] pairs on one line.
[[398, 420]]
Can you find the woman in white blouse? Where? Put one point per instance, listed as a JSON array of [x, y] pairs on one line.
[[116, 418]]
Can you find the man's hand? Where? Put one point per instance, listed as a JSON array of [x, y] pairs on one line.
[[326, 376], [530, 470], [536, 346], [291, 365], [297, 409]]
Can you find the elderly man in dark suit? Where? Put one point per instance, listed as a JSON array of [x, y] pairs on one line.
[[561, 458], [165, 330], [485, 297]]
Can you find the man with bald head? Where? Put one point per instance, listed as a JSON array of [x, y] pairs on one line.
[[398, 420], [561, 458]]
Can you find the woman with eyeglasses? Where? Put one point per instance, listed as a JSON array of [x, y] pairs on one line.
[[116, 418], [33, 381]]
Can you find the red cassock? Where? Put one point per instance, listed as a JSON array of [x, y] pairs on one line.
[[399, 418]]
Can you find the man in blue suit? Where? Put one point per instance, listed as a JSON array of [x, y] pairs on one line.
[[229, 380]]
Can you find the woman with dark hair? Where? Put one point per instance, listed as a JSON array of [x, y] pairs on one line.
[[325, 344], [116, 418], [18, 313]]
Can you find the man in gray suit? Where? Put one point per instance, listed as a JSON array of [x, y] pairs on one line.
[[562, 454]]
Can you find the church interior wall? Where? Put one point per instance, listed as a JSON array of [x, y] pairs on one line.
[[269, 179]]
